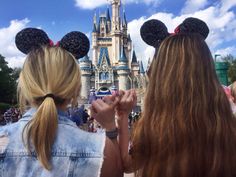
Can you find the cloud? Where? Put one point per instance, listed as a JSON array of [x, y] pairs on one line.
[[92, 4], [7, 42], [226, 51], [227, 5], [16, 61], [193, 5], [222, 27]]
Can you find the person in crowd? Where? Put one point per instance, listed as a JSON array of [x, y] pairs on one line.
[[233, 94], [76, 114], [229, 93], [8, 116], [45, 142], [91, 125], [130, 119], [85, 116], [187, 127]]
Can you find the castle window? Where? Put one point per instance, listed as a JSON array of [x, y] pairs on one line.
[[104, 76]]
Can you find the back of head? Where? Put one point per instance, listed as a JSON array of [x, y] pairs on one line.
[[50, 78], [187, 127]]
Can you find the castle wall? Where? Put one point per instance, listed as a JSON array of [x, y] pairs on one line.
[[85, 86], [124, 82]]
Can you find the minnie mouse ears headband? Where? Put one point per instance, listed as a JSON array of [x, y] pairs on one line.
[[153, 32], [74, 42]]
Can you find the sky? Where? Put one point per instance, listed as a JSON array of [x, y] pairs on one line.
[[58, 17]]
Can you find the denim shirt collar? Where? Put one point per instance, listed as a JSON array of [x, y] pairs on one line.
[[63, 117]]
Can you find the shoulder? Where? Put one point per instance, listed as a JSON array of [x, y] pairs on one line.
[[75, 139], [10, 129], [11, 137]]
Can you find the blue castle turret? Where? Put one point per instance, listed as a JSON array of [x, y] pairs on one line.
[[123, 71], [141, 68], [86, 73]]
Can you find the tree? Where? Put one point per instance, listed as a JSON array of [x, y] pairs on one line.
[[8, 77], [231, 60]]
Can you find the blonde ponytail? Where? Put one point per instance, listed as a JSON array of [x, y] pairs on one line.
[[42, 131], [47, 70]]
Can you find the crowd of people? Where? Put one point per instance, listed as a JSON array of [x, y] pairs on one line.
[[10, 116], [187, 127], [79, 115]]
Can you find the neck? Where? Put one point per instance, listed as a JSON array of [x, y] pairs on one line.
[[63, 107]]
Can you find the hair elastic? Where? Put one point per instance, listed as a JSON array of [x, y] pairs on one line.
[[50, 95]]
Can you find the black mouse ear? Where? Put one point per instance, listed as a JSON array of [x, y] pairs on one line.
[[194, 25], [31, 38], [76, 43], [153, 32]]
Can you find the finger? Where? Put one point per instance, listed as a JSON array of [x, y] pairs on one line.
[[96, 105], [92, 111], [125, 96], [108, 99], [131, 95], [115, 102], [121, 93]]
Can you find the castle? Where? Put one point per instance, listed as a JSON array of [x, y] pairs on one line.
[[114, 62]]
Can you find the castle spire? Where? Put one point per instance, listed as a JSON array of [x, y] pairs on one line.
[[108, 14], [123, 57], [95, 17], [134, 58], [124, 17], [94, 28], [95, 22], [141, 67]]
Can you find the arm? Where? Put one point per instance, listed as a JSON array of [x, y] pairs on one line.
[[127, 102], [112, 162], [104, 113], [124, 139]]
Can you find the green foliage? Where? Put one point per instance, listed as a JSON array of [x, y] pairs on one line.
[[4, 107], [8, 79], [231, 60]]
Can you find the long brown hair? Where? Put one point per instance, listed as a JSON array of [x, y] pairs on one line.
[[48, 70], [187, 128]]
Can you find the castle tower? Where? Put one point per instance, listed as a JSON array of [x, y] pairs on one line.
[[115, 15], [134, 65], [112, 53], [86, 72], [142, 75], [124, 24], [123, 71], [108, 20], [116, 32], [95, 39], [143, 84], [141, 71]]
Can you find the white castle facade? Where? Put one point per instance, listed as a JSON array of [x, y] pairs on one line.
[[114, 62]]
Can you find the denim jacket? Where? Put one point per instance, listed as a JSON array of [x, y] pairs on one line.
[[75, 153]]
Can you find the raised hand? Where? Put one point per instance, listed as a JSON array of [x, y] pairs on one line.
[[128, 101], [104, 111]]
